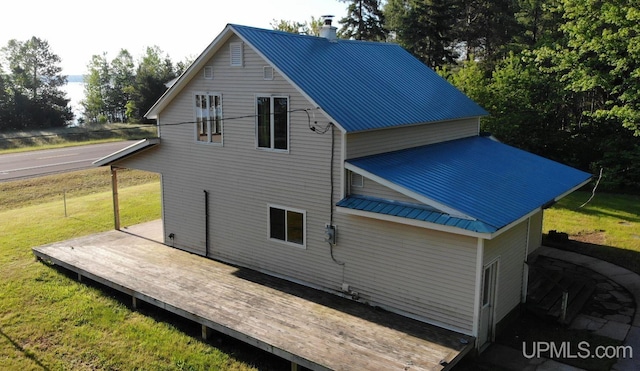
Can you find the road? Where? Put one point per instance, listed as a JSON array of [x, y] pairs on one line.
[[37, 163]]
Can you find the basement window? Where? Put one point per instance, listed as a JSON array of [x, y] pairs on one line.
[[287, 225], [208, 112]]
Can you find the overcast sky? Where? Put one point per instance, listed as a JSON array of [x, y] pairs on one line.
[[78, 29]]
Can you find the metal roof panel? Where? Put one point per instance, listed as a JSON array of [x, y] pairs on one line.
[[484, 179], [362, 85]]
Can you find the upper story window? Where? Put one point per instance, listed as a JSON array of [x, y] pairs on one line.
[[208, 118], [272, 122]]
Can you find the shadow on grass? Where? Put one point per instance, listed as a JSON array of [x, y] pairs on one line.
[[26, 353], [624, 258], [617, 206]]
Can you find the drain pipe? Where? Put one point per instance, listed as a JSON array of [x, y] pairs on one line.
[[206, 223]]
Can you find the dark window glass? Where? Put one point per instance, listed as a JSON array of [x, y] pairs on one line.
[[295, 227], [264, 122], [277, 223], [280, 108]]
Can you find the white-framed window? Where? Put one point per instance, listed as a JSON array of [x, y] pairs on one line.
[[208, 112], [236, 54], [272, 122], [287, 225]]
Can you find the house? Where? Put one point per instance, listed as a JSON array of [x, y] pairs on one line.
[[350, 167]]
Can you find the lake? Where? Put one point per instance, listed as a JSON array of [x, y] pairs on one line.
[[75, 92]]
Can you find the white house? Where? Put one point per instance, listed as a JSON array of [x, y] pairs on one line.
[[351, 167]]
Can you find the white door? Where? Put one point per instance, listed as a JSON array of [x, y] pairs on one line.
[[487, 310]]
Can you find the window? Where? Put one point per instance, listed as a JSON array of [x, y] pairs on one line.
[[272, 126], [236, 54], [287, 225], [209, 118]]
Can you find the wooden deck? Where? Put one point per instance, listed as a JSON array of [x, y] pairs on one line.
[[309, 327]]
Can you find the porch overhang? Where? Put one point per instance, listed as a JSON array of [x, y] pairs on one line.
[[131, 150]]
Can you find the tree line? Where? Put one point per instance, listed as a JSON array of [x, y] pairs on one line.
[[118, 90], [560, 78]]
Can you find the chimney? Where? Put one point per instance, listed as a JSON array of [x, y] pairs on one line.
[[328, 31]]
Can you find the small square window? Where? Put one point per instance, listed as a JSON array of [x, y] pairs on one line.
[[357, 180], [287, 225], [208, 72], [268, 73]]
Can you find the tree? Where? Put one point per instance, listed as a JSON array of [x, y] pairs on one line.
[[36, 81], [121, 85], [601, 59], [364, 21], [425, 28], [485, 27], [154, 70], [305, 28], [96, 87]]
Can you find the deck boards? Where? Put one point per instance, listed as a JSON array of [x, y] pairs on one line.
[[312, 328]]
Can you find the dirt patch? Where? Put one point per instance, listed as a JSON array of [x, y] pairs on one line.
[[593, 237]]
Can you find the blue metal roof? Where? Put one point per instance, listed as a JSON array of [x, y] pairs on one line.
[[362, 85], [411, 211], [479, 177]]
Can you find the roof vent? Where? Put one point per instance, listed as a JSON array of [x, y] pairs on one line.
[[328, 31]]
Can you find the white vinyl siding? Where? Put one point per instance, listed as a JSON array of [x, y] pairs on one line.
[[510, 247], [535, 232], [426, 273], [374, 189], [381, 141]]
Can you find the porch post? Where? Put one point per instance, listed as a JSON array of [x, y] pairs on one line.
[[114, 189]]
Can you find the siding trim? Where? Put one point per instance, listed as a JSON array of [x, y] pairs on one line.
[[412, 222], [478, 298]]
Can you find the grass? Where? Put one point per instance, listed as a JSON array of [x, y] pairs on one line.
[[11, 142], [607, 228], [50, 321]]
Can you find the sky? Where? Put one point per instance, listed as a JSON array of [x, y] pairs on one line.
[[78, 29]]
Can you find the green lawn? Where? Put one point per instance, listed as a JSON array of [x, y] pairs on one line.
[[608, 227], [50, 321]]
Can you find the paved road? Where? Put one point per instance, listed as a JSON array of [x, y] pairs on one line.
[[37, 163]]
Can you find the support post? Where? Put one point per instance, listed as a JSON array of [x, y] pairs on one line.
[[565, 301], [206, 332], [134, 302], [116, 205], [294, 366]]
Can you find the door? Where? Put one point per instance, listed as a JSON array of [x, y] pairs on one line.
[[487, 310]]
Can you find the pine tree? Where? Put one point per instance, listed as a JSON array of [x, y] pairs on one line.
[[364, 21]]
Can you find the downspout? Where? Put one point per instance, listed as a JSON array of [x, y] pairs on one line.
[[114, 190], [206, 223]]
